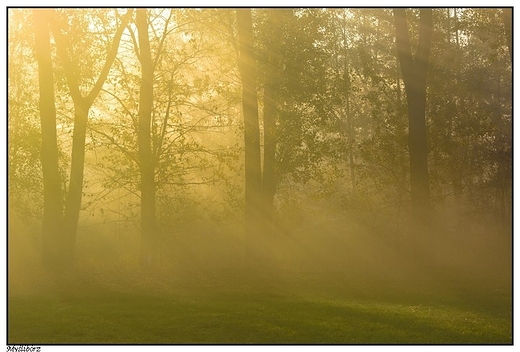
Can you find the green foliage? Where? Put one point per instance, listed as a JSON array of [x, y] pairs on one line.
[[23, 133], [469, 108], [342, 142]]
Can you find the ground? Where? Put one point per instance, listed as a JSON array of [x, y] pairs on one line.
[[277, 307]]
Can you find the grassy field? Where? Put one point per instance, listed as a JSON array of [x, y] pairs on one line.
[[290, 308]]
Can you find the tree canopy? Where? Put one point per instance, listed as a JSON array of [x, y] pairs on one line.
[[163, 127]]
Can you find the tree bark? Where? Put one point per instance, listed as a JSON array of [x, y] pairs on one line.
[[52, 234], [414, 71], [253, 177], [146, 162]]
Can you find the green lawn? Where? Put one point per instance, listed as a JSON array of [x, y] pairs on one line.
[[306, 310]]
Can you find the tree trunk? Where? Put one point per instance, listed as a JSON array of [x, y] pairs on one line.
[[456, 20], [74, 195], [146, 162], [348, 117], [457, 193], [269, 175], [350, 133], [52, 235], [414, 71], [448, 26], [247, 68], [270, 112], [505, 167]]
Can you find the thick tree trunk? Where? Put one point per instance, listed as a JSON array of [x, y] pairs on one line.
[[52, 235], [146, 162], [253, 177], [414, 71]]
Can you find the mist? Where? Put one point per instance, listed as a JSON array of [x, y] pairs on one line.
[[259, 176]]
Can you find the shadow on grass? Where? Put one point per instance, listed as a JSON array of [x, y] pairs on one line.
[[235, 317]]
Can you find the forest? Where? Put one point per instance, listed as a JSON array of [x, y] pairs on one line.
[[259, 176]]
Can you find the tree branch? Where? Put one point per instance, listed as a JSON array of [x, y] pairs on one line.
[[110, 59]]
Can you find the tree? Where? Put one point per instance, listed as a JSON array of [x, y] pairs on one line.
[[53, 239], [60, 236], [253, 175], [269, 115], [310, 99], [24, 178], [146, 160], [469, 106], [414, 70]]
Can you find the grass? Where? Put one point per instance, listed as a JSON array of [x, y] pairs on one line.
[[293, 309]]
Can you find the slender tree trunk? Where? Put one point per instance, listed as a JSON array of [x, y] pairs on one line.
[[146, 163], [269, 175], [270, 111], [457, 193], [448, 25], [351, 137], [456, 26], [456, 175], [348, 117], [507, 17], [414, 71], [456, 164], [74, 195], [247, 68], [52, 193]]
